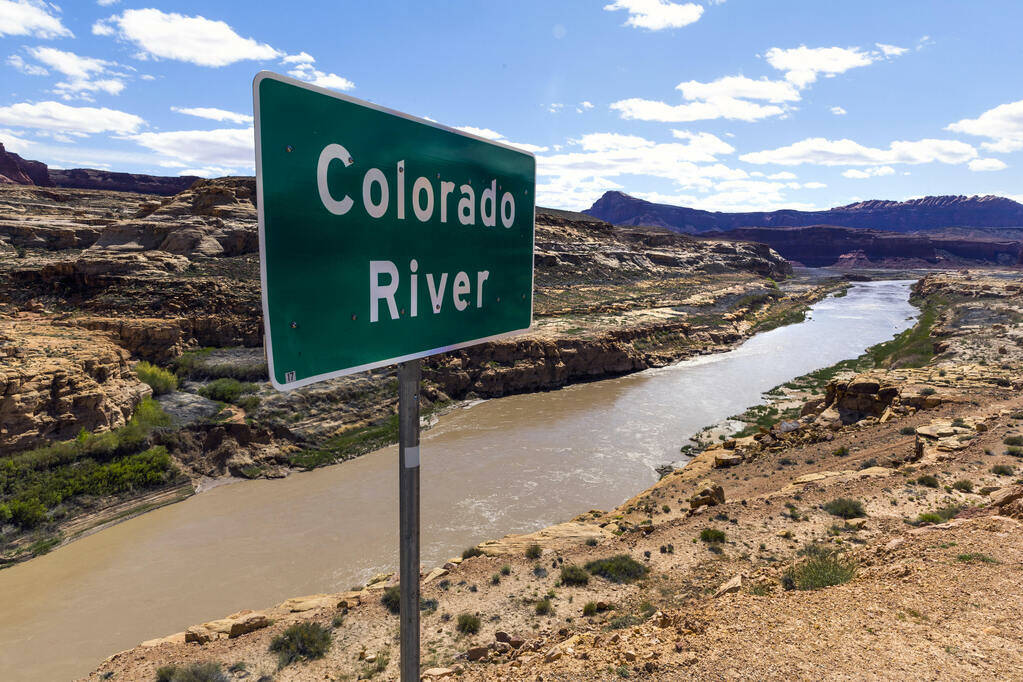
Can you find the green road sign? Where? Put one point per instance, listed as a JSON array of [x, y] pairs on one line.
[[383, 237]]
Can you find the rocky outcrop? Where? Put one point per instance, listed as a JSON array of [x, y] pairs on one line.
[[18, 171], [927, 213], [57, 380], [825, 245]]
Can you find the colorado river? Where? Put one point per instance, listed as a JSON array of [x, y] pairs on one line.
[[510, 465]]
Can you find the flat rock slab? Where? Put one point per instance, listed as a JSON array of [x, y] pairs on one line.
[[187, 408]]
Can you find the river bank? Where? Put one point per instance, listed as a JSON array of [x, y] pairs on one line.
[[879, 435]]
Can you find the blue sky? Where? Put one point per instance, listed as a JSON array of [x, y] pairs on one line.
[[719, 104]]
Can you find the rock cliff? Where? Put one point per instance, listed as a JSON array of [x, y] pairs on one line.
[[927, 213]]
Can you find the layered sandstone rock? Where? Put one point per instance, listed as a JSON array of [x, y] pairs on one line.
[[56, 380]]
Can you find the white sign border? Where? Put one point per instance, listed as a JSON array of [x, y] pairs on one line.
[[267, 341]]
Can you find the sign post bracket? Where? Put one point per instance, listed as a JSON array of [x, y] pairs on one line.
[[409, 374]]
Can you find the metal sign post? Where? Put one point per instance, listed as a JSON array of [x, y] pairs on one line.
[[408, 531], [385, 238]]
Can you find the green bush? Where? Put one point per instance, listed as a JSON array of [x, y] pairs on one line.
[[468, 624], [533, 551], [194, 672], [226, 390], [928, 481], [301, 641], [712, 535], [841, 452], [5, 514], [574, 575], [543, 607], [160, 380], [618, 569], [971, 557], [590, 609], [929, 517], [1015, 452], [845, 508], [472, 552], [907, 431], [27, 513], [963, 485], [1013, 440], [927, 391], [998, 470], [392, 599], [506, 570], [820, 569]]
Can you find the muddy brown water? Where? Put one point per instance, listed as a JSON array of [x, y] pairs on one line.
[[510, 465]]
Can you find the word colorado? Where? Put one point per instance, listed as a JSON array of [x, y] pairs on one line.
[[425, 200], [383, 274]]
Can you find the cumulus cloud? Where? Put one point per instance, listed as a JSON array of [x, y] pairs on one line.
[[727, 108], [575, 178], [891, 50], [305, 71], [823, 152], [193, 39], [33, 18], [83, 73], [656, 15], [858, 174], [214, 114], [1003, 125], [489, 134], [740, 87], [223, 147], [54, 116], [803, 64], [987, 165]]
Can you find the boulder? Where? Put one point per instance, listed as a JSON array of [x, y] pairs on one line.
[[710, 495], [733, 585]]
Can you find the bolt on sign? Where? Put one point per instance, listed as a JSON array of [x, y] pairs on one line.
[[383, 237]]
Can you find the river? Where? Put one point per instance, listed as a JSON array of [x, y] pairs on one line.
[[509, 465]]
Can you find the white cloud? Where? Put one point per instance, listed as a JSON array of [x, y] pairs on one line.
[[196, 40], [656, 15], [207, 171], [740, 87], [223, 147], [586, 104], [824, 152], [987, 165], [574, 179], [300, 58], [489, 134], [214, 114], [803, 64], [555, 107], [81, 73], [107, 3], [727, 108], [877, 171], [20, 64], [1003, 124], [891, 50], [31, 18], [783, 175], [814, 185], [838, 111], [305, 71], [62, 118]]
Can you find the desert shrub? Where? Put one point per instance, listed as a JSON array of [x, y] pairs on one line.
[[429, 605], [868, 463], [5, 514], [226, 390], [841, 452], [468, 624], [533, 551], [907, 431], [249, 402], [712, 535], [158, 379], [194, 672], [27, 513], [472, 552], [543, 607], [391, 599], [928, 481], [1013, 440], [821, 568], [618, 569], [590, 609], [539, 571], [927, 391], [301, 641], [929, 517], [971, 557], [591, 542], [1015, 452], [963, 485], [574, 575], [495, 579], [845, 508], [506, 570], [998, 470]]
